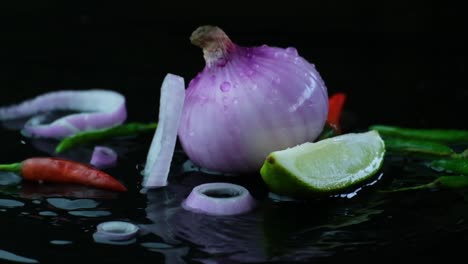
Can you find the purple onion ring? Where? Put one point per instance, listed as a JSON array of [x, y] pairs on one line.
[[101, 109], [219, 198]]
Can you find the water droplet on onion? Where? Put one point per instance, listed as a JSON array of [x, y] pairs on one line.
[[297, 60], [291, 51], [225, 86]]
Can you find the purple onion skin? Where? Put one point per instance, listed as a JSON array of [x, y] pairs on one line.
[[248, 103]]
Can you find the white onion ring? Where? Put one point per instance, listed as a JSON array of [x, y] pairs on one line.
[[219, 198], [104, 108], [103, 157], [116, 230]]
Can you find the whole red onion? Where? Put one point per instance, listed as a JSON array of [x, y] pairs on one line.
[[248, 102]]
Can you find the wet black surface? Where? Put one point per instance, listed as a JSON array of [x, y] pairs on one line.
[[397, 66]]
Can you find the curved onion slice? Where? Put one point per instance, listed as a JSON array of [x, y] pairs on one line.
[[116, 230], [103, 157], [219, 198], [160, 154], [104, 109]]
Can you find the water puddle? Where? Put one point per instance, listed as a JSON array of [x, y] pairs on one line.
[[5, 255]]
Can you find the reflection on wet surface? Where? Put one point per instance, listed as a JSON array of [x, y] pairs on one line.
[[361, 222]]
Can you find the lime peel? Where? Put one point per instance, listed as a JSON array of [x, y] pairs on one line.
[[327, 166]]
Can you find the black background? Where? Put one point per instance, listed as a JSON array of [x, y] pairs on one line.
[[401, 63]]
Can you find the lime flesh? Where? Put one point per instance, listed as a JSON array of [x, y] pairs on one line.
[[326, 166]]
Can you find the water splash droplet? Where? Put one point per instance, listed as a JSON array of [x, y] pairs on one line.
[[276, 54], [47, 213], [225, 86], [97, 213], [69, 204], [235, 101], [60, 242], [8, 203], [256, 66], [292, 51]]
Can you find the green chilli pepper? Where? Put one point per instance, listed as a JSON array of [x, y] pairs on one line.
[[439, 135], [128, 129], [457, 166], [413, 146], [443, 182]]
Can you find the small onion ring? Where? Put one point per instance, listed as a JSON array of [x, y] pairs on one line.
[[116, 230], [219, 198], [103, 157]]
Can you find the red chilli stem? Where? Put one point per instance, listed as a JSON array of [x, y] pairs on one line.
[[215, 43]]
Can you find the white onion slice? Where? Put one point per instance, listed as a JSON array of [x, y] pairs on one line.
[[116, 230], [103, 157], [219, 198], [103, 108], [162, 147]]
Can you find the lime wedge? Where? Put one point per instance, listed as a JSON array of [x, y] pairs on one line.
[[327, 166]]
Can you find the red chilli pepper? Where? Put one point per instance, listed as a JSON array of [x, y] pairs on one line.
[[335, 108], [64, 171]]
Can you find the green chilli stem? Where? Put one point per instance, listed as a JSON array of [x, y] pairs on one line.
[[14, 167], [413, 188]]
